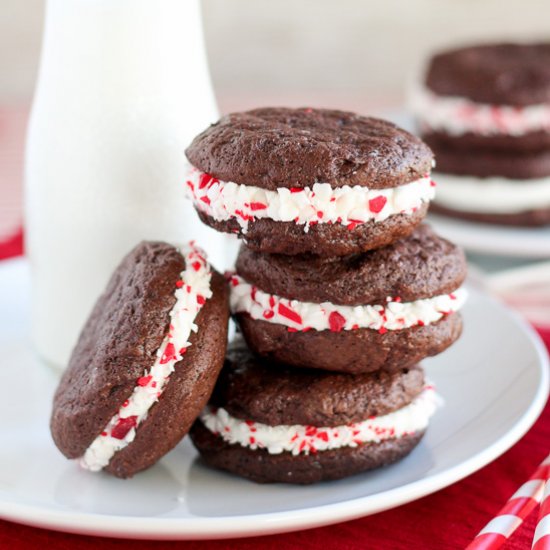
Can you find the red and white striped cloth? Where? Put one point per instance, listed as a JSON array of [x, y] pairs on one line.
[[511, 516]]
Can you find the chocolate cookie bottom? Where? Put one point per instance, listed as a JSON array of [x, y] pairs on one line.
[[323, 239], [529, 218], [351, 351], [504, 143], [262, 467]]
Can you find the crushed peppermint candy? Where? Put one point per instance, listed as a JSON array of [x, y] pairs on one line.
[[303, 316], [458, 115], [298, 439], [307, 206], [191, 291]]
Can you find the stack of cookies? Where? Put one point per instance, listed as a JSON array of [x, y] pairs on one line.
[[339, 292], [485, 111]]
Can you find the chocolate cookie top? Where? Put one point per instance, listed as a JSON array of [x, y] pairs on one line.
[[420, 266], [120, 343], [281, 147], [498, 74], [251, 388]]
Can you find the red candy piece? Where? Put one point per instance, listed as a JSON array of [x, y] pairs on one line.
[[258, 206], [206, 180], [201, 300], [268, 314], [383, 330], [169, 354], [336, 321], [206, 200], [179, 283], [123, 426], [296, 189], [244, 216], [144, 380], [376, 204], [196, 265], [289, 314]]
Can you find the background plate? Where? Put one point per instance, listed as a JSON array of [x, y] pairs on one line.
[[494, 382], [499, 240]]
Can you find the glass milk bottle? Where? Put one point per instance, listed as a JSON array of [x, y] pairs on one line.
[[123, 87]]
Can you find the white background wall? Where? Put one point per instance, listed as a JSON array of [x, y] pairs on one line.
[[305, 51]]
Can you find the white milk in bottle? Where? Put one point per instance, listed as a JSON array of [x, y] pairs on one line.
[[123, 88]]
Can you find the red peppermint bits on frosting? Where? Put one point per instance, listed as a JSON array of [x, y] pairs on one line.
[[123, 426], [376, 204], [169, 354], [257, 206], [289, 314], [144, 380], [336, 321], [206, 180]]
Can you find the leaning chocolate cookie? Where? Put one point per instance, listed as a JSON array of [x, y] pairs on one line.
[[295, 181], [491, 96], [276, 424], [384, 309], [146, 361]]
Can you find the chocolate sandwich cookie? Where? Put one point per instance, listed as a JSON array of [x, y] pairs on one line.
[[291, 181], [485, 111], [491, 96], [277, 424], [511, 188], [146, 361], [384, 309]]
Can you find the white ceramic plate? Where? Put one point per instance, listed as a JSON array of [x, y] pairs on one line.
[[494, 381], [500, 240]]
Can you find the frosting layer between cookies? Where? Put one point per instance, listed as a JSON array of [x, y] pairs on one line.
[[307, 206], [298, 439], [458, 116], [303, 316], [191, 292], [495, 195]]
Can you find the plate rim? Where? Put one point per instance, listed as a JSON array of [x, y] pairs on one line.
[[453, 229], [204, 528]]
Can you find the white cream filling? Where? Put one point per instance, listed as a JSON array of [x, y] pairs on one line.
[[303, 316], [457, 115], [306, 206], [494, 195], [191, 292], [297, 439]]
